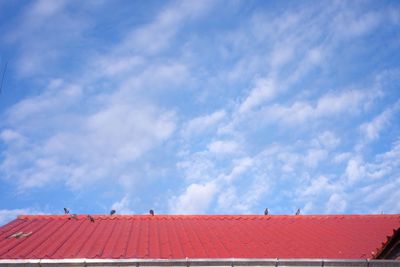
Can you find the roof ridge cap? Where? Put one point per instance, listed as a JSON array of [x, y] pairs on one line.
[[205, 216]]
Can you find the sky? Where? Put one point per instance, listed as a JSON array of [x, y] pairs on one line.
[[199, 107]]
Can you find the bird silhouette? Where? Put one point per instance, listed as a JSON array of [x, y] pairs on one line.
[[66, 211], [73, 216], [298, 211], [91, 218], [112, 212], [151, 212], [266, 211]]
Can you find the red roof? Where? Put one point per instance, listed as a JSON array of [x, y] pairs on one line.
[[181, 236]]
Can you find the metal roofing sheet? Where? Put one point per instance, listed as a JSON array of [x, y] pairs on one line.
[[193, 236]]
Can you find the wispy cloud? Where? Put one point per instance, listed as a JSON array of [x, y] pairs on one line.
[[201, 124], [196, 199], [223, 147], [52, 21], [328, 105], [117, 128], [202, 106], [263, 90], [372, 129], [106, 138]]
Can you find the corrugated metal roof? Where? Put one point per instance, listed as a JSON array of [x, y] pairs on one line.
[[181, 236]]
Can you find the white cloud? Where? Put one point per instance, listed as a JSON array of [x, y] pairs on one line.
[[312, 59], [114, 66], [124, 132], [158, 35], [372, 129], [57, 97], [202, 124], [51, 21], [240, 166], [281, 55], [44, 31], [288, 160], [88, 130], [45, 8], [355, 169], [385, 164], [119, 126], [314, 156], [350, 24], [337, 204], [264, 90], [387, 195], [327, 105], [123, 206], [197, 167], [214, 180], [341, 157], [318, 186], [218, 180], [195, 200], [9, 135], [326, 139], [232, 200], [227, 198], [308, 208], [70, 143], [262, 76], [349, 101], [224, 147]]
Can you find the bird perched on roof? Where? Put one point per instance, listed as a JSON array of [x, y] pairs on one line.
[[66, 211], [112, 212], [266, 211], [298, 212], [73, 216], [151, 212], [90, 218]]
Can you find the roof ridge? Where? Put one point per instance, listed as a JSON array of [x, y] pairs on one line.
[[216, 216]]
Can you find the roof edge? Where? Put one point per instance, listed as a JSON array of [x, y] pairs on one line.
[[390, 246], [166, 216], [202, 262]]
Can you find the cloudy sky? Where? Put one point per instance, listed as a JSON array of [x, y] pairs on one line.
[[194, 107]]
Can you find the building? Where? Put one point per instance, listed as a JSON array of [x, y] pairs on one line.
[[201, 240]]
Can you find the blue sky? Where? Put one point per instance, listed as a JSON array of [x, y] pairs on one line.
[[194, 107]]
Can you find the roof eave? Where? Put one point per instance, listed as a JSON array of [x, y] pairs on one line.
[[201, 262]]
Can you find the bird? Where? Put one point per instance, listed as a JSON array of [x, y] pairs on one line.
[[112, 212], [298, 211], [266, 211], [66, 211], [151, 212], [73, 216], [91, 218]]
